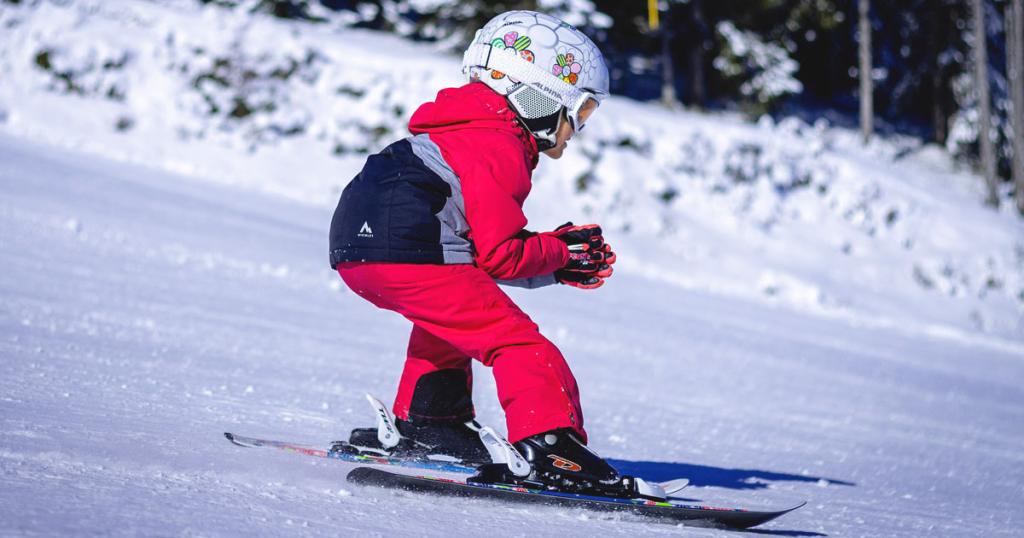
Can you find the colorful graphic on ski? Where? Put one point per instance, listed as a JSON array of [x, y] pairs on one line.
[[670, 511]]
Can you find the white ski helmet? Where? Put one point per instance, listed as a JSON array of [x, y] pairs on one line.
[[541, 65]]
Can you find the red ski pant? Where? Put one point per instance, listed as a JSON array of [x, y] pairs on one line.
[[458, 314]]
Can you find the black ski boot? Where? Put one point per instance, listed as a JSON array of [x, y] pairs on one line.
[[560, 461], [459, 441]]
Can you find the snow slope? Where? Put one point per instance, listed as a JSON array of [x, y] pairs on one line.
[[143, 313], [782, 213]]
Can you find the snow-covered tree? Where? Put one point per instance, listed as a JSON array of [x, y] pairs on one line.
[[764, 70]]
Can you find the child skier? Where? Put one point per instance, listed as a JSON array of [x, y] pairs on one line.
[[434, 220]]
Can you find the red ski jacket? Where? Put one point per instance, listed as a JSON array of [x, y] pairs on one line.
[[494, 157], [452, 193]]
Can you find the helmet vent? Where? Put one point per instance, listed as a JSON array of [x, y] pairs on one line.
[[532, 104]]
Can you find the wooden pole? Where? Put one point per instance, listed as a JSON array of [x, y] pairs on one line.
[[668, 77], [698, 92], [867, 106], [988, 154], [1015, 72], [937, 40]]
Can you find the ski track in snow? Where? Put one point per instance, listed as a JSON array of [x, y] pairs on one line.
[[143, 314]]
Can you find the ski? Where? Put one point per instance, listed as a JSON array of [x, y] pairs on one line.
[[669, 511], [670, 487], [364, 459]]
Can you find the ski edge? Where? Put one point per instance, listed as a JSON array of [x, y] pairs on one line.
[[674, 511]]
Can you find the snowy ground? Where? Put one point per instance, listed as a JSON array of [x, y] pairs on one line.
[[142, 314]]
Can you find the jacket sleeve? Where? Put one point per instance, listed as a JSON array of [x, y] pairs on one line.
[[503, 248]]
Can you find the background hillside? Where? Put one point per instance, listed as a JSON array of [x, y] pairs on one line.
[[783, 211]]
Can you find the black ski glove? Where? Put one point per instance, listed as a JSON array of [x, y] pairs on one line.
[[584, 281], [590, 258]]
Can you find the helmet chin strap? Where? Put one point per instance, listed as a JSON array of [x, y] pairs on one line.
[[544, 129], [543, 144]]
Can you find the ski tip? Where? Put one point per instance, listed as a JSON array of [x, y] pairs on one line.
[[241, 440], [788, 510], [753, 518], [801, 505]]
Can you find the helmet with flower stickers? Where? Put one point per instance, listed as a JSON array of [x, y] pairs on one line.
[[541, 65]]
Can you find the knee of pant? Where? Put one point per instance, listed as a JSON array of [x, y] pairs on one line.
[[526, 350]]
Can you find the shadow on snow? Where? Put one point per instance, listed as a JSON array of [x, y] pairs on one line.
[[702, 475], [781, 533]]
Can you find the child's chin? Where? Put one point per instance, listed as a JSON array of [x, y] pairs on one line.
[[555, 152]]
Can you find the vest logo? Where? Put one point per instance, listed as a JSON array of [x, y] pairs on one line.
[[365, 231], [565, 464]]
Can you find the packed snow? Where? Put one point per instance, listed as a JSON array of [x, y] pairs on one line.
[[793, 316]]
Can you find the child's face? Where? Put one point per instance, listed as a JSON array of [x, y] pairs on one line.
[[565, 130]]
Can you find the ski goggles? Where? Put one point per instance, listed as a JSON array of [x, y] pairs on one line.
[[573, 113]]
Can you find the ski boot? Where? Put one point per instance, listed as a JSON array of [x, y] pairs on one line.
[[457, 442], [559, 461], [451, 441]]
